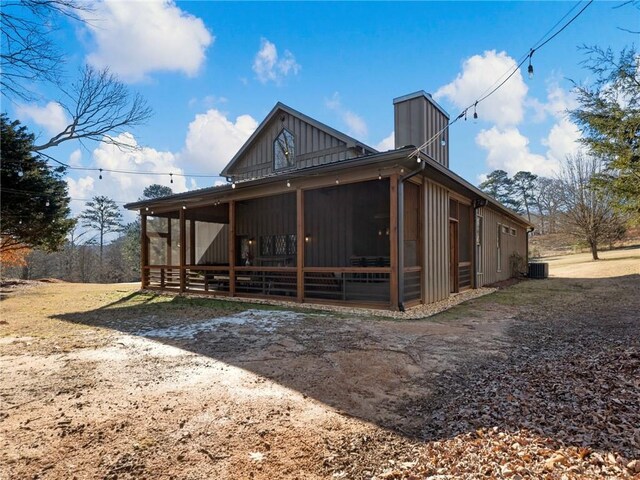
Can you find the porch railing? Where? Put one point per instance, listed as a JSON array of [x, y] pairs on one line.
[[266, 281], [207, 279], [351, 284], [347, 284], [161, 276]]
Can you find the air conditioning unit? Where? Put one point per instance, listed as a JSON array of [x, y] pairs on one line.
[[538, 270]]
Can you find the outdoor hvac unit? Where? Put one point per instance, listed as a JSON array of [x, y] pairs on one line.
[[538, 270]]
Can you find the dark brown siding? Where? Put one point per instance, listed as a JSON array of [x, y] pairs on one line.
[[312, 147]]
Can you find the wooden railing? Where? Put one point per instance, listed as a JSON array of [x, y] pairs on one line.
[[346, 284], [161, 276], [266, 281], [350, 284], [207, 279]]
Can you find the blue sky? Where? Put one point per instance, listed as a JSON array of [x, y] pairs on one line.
[[212, 71]]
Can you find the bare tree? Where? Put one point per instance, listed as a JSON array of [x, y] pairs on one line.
[[547, 200], [589, 212], [28, 52], [100, 108]]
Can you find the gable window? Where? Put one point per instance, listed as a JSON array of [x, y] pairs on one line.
[[284, 150]]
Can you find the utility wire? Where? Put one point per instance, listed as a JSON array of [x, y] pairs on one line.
[[537, 46]]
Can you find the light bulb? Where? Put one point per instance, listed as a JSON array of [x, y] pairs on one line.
[[288, 183], [530, 70]]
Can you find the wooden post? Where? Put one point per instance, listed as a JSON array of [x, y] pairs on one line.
[[144, 250], [183, 252], [300, 239], [169, 260], [192, 242], [393, 239], [232, 247]]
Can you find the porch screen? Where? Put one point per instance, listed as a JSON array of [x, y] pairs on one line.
[[347, 225], [163, 234]]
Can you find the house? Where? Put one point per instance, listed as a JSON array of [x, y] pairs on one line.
[[314, 215]]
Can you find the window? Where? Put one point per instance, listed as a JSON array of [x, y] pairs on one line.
[[513, 232], [505, 230], [284, 150]]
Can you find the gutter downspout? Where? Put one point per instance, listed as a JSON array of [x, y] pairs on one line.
[[401, 181]]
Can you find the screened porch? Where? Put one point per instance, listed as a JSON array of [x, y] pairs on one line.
[[332, 244]]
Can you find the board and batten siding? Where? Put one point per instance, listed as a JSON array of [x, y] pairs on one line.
[[312, 147], [436, 242], [510, 244]]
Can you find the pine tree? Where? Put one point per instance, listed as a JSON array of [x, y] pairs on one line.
[[34, 199], [102, 214]]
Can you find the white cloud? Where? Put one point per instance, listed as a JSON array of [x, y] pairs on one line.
[[270, 67], [51, 117], [136, 38], [562, 140], [387, 143], [559, 101], [212, 140], [356, 126], [75, 159], [507, 149], [479, 74], [126, 187]]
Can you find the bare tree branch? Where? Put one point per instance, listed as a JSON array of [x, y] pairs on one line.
[[100, 107], [28, 53]]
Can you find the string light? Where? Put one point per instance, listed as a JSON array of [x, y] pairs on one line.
[[337, 181], [100, 176], [171, 178], [20, 173], [379, 175], [288, 183], [47, 203], [233, 184], [510, 73], [475, 113]]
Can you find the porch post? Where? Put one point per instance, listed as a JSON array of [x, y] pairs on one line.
[[393, 239], [144, 250], [183, 252], [192, 242], [300, 236], [232, 247]]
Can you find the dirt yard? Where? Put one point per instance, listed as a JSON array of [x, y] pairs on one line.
[[538, 380]]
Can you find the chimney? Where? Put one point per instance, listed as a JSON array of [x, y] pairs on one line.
[[417, 118]]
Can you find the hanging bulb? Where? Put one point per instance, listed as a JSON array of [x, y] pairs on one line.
[[475, 113], [47, 203], [184, 207], [530, 68], [20, 173], [337, 181], [20, 222], [100, 176], [288, 183], [171, 178], [379, 175], [233, 184], [418, 159], [443, 143]]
